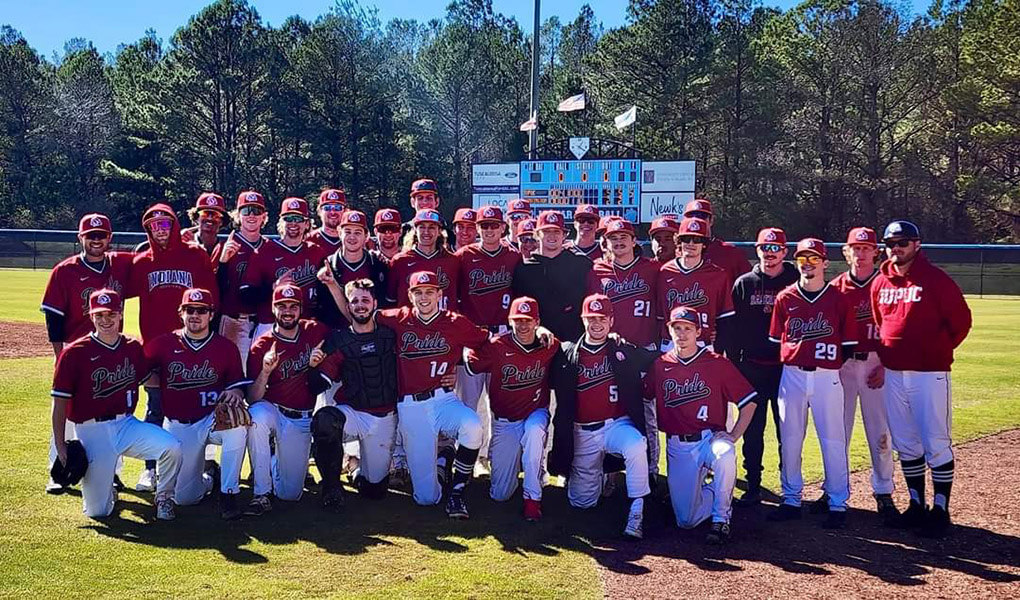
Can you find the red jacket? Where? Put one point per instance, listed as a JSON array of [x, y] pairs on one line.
[[922, 316], [727, 256]]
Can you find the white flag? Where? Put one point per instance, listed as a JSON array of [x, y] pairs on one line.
[[572, 103], [530, 125], [626, 119]]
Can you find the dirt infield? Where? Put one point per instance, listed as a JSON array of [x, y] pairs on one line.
[[979, 559], [23, 340]]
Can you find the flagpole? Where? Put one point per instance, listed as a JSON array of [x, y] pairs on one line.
[[533, 134]]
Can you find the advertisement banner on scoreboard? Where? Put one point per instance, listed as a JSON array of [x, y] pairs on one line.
[[674, 176], [654, 204], [495, 184]]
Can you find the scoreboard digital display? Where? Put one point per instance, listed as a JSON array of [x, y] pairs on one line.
[[613, 185]]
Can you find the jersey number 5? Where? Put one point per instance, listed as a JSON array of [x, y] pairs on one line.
[[614, 394]]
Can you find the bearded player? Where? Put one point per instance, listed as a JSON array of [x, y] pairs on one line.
[[237, 317], [332, 204], [693, 388], [195, 370], [518, 365], [281, 400], [95, 386]]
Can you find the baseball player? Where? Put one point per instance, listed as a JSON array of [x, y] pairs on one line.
[[237, 318], [159, 276], [718, 251], [526, 243], [518, 210], [195, 370], [291, 259], [95, 386], [518, 364], [429, 254], [465, 232], [586, 221], [662, 232], [690, 280], [207, 218], [861, 253], [65, 303], [922, 317], [332, 204], [282, 399], [387, 232], [599, 411], [352, 261], [815, 327], [693, 388], [424, 196]]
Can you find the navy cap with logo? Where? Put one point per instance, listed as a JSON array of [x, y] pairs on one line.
[[901, 229]]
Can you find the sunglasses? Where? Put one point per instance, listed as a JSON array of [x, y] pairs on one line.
[[584, 221], [251, 211], [161, 225], [697, 214], [692, 239], [196, 310], [771, 248], [517, 216], [387, 230], [811, 259], [294, 219], [332, 208], [96, 235], [490, 225], [902, 243], [528, 240], [210, 215]]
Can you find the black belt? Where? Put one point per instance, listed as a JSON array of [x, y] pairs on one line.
[[593, 426], [423, 396], [294, 414], [686, 437], [808, 369], [858, 356], [105, 418], [505, 420]]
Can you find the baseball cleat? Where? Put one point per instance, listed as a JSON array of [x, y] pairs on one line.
[[785, 512], [635, 520], [937, 524], [532, 510], [608, 485], [751, 498], [835, 520], [165, 509], [146, 481], [820, 506], [887, 509], [351, 466], [118, 484], [52, 487], [258, 506], [915, 516], [455, 507], [228, 507], [332, 498], [400, 478], [718, 534]]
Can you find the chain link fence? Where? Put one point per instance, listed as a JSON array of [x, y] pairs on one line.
[[979, 269]]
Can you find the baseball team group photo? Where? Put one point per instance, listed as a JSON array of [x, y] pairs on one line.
[[597, 354]]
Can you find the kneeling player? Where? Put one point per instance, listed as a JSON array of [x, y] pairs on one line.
[[693, 388], [518, 364], [363, 357], [195, 370], [95, 386], [282, 398]]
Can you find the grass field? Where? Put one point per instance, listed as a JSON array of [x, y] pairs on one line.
[[389, 548]]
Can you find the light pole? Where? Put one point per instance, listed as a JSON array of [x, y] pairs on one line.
[[533, 134]]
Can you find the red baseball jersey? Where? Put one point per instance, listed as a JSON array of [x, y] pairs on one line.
[[706, 288], [519, 376], [632, 290], [858, 296], [693, 394], [812, 333], [74, 279], [99, 380], [445, 265], [159, 278], [192, 375], [485, 281], [288, 383], [427, 350], [597, 394], [328, 243], [731, 258], [230, 296], [272, 261]]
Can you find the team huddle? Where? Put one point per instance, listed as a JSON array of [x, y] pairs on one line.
[[407, 354]]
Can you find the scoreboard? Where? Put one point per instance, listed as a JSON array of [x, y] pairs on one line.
[[613, 185]]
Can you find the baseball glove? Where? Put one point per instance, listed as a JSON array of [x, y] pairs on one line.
[[229, 417]]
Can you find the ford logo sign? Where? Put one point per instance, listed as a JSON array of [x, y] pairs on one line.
[[511, 175]]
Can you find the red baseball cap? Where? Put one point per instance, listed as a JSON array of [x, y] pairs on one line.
[[197, 297], [387, 216], [597, 305], [692, 226], [662, 223], [526, 227], [294, 206], [465, 215], [519, 206], [354, 217], [586, 210], [550, 219], [424, 185], [604, 222], [698, 205], [771, 235], [333, 196], [104, 300], [862, 235], [524, 308], [620, 225], [422, 279], [94, 222], [489, 213], [210, 201], [684, 313], [286, 292], [811, 246], [250, 198], [427, 215]]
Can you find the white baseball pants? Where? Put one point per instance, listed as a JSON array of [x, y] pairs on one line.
[[192, 483], [515, 443], [373, 435], [854, 378], [282, 473], [687, 464], [920, 409], [473, 390], [617, 436], [239, 331]]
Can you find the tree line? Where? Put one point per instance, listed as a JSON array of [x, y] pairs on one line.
[[830, 114]]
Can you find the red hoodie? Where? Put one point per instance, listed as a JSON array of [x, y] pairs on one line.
[[922, 316], [159, 277]]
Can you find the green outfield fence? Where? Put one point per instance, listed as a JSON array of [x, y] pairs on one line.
[[979, 269]]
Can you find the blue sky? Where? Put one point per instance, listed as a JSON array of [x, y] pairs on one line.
[[47, 24]]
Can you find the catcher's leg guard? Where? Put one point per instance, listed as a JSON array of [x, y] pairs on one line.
[[372, 491], [328, 436]]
